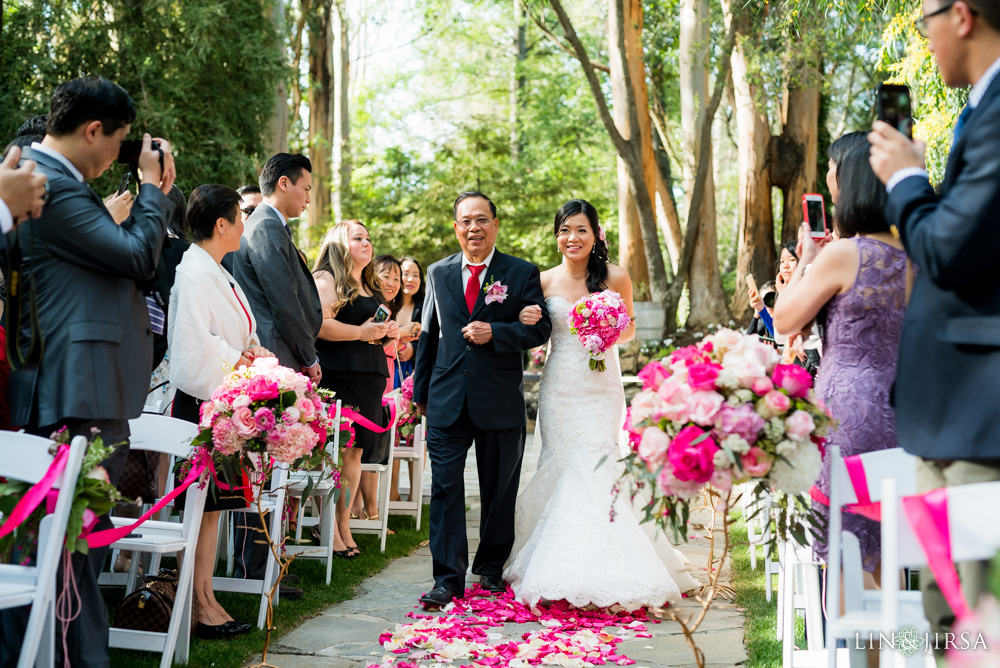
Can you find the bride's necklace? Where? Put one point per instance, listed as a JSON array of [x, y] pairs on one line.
[[572, 276]]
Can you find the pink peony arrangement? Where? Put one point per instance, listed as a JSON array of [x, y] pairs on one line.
[[719, 413], [408, 419], [598, 320], [268, 409]]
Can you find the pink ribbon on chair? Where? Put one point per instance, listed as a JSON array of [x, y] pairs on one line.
[[108, 536], [37, 493], [864, 507], [928, 515], [361, 420]]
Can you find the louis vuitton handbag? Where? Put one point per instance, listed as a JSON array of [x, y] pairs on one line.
[[149, 607]]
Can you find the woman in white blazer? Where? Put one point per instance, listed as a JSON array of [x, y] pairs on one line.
[[210, 331]]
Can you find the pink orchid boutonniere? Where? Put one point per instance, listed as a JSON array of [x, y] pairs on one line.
[[495, 291]]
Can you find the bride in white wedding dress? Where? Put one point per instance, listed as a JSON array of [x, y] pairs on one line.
[[567, 544]]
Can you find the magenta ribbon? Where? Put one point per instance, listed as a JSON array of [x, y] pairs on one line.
[[361, 420], [928, 515], [108, 536], [37, 493], [864, 507]]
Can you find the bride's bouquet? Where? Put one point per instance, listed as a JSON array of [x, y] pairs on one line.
[[598, 320], [719, 413]]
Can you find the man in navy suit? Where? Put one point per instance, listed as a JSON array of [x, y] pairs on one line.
[[949, 355], [468, 383]]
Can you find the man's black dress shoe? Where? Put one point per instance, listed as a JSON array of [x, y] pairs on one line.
[[291, 593], [492, 584], [439, 597], [290, 579]]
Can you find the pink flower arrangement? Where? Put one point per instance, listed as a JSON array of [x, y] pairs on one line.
[[408, 419], [720, 413], [265, 408], [598, 320]]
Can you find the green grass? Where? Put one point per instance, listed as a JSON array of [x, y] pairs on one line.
[[759, 616], [347, 575]]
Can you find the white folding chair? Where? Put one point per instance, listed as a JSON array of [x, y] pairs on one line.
[[272, 502], [27, 458], [861, 614], [757, 526], [971, 539], [171, 437], [322, 516], [381, 525], [414, 503]]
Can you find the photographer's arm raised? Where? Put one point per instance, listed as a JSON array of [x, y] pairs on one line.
[[831, 272]]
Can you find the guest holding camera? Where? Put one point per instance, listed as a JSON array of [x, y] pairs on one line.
[[762, 303], [355, 323], [949, 358], [860, 282], [211, 330], [77, 293]]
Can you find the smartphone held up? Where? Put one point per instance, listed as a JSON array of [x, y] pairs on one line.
[[893, 106], [814, 213]]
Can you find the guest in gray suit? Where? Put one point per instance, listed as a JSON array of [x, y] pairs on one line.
[[78, 296], [282, 296]]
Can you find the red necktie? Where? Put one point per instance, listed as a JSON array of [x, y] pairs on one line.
[[472, 287]]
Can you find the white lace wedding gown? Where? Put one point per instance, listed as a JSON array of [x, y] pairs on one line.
[[566, 546]]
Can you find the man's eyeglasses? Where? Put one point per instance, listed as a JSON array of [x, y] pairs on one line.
[[247, 210], [466, 223], [921, 23]]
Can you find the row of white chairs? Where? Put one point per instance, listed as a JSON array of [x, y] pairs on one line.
[[25, 457]]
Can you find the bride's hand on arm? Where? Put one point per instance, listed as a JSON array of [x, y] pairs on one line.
[[530, 315]]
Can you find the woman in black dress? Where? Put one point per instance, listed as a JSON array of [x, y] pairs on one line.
[[350, 347]]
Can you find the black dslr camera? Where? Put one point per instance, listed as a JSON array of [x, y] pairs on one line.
[[128, 154]]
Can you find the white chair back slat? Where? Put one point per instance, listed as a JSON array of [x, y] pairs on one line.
[[893, 463], [163, 434], [972, 538], [26, 457]]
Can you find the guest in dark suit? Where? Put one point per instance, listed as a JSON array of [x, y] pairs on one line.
[[949, 355], [468, 383], [78, 285], [282, 295]]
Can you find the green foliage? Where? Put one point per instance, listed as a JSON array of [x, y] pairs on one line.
[[202, 74]]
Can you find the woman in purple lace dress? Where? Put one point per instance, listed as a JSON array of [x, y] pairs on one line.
[[857, 286]]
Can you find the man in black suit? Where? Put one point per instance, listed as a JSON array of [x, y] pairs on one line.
[[284, 300], [78, 274], [949, 355], [468, 383]]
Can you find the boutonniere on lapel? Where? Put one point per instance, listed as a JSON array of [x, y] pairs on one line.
[[495, 291]]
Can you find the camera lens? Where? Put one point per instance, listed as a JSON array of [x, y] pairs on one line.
[[769, 298]]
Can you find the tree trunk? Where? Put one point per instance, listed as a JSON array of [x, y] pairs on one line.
[[755, 254], [320, 116], [800, 141], [708, 301], [517, 80], [341, 112], [631, 250], [276, 140]]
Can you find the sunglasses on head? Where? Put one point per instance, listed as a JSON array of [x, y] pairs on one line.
[[247, 210]]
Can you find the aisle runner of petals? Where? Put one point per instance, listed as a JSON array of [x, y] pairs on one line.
[[571, 638]]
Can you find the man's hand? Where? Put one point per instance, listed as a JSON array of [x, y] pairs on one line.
[[421, 409], [530, 314], [891, 151], [120, 206], [149, 164], [479, 333], [314, 372], [22, 189]]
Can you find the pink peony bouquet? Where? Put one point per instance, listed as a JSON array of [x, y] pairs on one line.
[[267, 409], [598, 320], [719, 413], [409, 418]]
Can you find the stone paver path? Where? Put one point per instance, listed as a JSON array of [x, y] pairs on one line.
[[346, 635]]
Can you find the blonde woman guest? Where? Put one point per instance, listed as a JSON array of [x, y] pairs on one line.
[[350, 349], [210, 331]]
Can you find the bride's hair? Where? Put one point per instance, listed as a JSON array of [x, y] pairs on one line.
[[597, 265]]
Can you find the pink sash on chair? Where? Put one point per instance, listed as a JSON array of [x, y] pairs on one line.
[[928, 515]]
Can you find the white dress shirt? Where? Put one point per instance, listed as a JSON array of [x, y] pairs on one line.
[[975, 97], [208, 327], [467, 273]]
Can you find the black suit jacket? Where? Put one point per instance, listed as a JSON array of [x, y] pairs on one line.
[[93, 316], [947, 391], [451, 371], [280, 289]]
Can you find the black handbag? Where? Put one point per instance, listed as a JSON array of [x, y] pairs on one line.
[[149, 607]]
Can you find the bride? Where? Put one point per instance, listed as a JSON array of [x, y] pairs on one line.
[[571, 543]]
